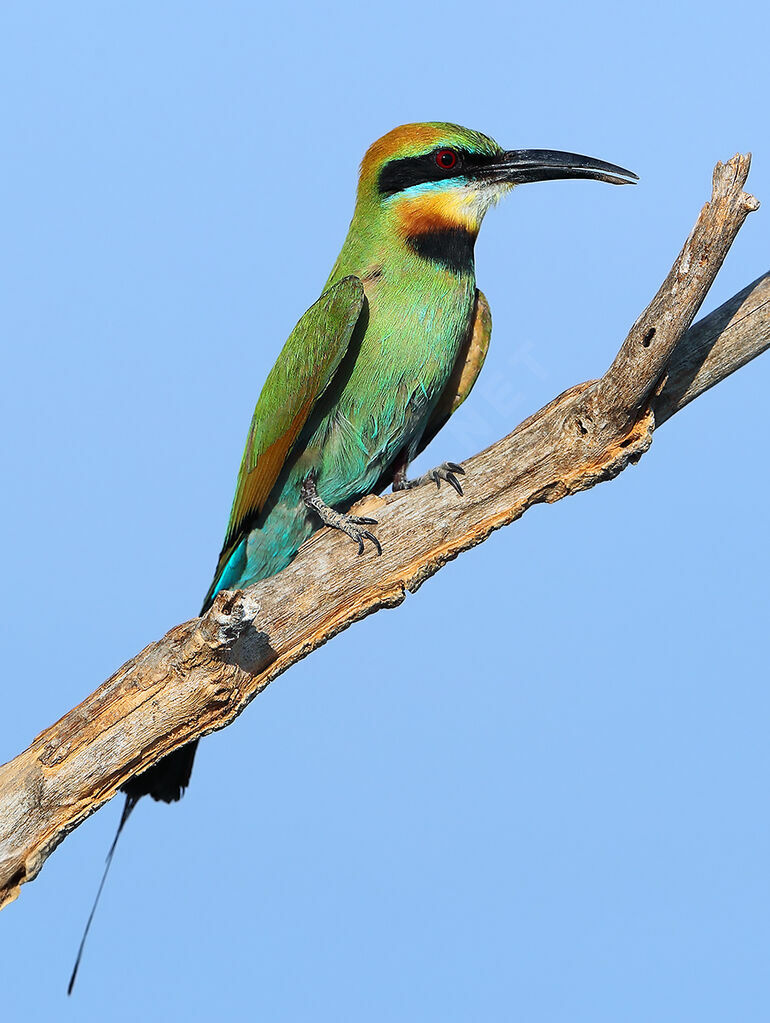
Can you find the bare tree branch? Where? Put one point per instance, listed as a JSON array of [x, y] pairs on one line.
[[203, 673]]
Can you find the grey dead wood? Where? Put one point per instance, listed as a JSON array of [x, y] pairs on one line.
[[203, 673]]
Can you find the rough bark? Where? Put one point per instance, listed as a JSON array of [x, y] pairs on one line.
[[203, 673]]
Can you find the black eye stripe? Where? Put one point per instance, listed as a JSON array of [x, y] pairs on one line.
[[397, 175]]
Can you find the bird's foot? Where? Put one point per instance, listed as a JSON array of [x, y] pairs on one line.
[[446, 471], [348, 524]]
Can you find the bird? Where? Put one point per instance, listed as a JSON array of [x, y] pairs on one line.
[[374, 368]]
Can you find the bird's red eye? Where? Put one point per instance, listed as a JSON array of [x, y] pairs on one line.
[[446, 158]]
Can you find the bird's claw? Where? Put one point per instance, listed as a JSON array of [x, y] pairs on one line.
[[446, 471], [351, 521], [366, 535], [348, 524]]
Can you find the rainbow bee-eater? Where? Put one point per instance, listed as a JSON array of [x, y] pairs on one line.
[[377, 365]]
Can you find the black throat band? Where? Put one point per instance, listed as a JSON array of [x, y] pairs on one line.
[[451, 247]]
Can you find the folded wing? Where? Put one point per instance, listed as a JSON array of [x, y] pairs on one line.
[[304, 369]]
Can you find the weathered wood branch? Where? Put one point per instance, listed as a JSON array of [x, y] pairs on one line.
[[203, 673]]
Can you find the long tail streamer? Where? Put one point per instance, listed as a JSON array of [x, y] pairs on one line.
[[131, 802]]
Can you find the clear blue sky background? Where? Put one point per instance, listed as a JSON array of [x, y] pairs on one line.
[[539, 789]]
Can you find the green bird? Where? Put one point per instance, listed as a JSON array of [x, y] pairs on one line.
[[377, 365]]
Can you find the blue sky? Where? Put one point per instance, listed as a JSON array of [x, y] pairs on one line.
[[538, 789]]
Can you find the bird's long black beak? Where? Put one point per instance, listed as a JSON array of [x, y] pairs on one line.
[[519, 166]]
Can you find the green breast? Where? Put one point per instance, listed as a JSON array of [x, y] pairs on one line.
[[418, 317]]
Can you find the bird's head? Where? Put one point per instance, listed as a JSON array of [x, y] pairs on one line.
[[427, 179]]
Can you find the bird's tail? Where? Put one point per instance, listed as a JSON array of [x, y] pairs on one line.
[[131, 802], [165, 781]]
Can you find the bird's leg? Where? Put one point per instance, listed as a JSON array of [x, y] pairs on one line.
[[446, 471], [348, 524]]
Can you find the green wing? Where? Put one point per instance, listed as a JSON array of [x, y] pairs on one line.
[[301, 374], [465, 373]]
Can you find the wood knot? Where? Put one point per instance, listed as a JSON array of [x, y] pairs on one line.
[[231, 613]]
